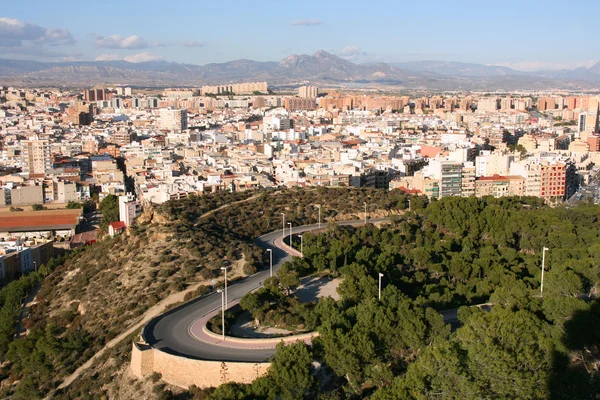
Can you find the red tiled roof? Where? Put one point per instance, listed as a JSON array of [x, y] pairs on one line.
[[408, 191], [39, 220], [118, 225], [492, 178]]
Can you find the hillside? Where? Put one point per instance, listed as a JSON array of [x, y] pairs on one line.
[[101, 291]]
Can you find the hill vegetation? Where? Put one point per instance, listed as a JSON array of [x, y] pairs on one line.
[[444, 254], [458, 252], [99, 292]]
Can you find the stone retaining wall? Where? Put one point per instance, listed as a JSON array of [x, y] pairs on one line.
[[185, 372]]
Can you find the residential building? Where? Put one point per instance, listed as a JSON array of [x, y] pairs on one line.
[[176, 120], [308, 91], [37, 157]]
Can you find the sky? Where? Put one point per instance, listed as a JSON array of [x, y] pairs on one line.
[[525, 34]]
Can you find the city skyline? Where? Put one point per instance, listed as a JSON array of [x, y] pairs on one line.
[[506, 34]]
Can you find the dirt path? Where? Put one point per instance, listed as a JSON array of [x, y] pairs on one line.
[[24, 312], [211, 212]]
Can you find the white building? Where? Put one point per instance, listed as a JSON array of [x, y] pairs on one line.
[[129, 208], [173, 119]]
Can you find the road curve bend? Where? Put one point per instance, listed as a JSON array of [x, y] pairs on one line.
[[171, 332]]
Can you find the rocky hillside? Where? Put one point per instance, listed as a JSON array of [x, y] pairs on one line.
[[97, 294]]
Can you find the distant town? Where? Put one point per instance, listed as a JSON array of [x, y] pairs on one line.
[[61, 148]]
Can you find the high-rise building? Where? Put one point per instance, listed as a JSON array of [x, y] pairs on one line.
[[488, 104], [296, 103], [259, 102], [96, 94], [37, 157], [176, 120], [468, 179], [81, 113], [451, 182], [308, 91]]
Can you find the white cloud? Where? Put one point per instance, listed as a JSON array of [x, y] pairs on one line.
[[119, 42], [544, 65], [142, 57], [17, 33], [306, 22], [71, 59], [108, 57], [350, 52], [56, 37], [193, 43]]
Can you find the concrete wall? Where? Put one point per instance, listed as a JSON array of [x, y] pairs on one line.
[[27, 195], [184, 372]]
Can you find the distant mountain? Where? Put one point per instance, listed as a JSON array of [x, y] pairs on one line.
[[450, 68], [321, 68]]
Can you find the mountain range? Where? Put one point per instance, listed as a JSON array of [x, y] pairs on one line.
[[321, 68]]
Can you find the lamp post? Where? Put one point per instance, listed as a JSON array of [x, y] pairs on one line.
[[283, 230], [408, 204], [301, 246], [270, 262], [543, 262], [319, 207], [365, 212], [222, 311], [35, 266], [290, 236], [380, 276], [225, 269]]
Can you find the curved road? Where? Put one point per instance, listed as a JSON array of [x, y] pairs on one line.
[[170, 332]]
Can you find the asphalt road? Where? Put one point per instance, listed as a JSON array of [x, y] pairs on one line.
[[170, 333], [589, 192]]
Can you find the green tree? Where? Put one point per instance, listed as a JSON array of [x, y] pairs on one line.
[[509, 352], [74, 205], [290, 371], [109, 207], [288, 278]]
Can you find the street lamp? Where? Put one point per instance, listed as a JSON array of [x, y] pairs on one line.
[[319, 207], [222, 311], [543, 262], [290, 224], [301, 246], [35, 266], [225, 269], [283, 231], [380, 276], [408, 204], [270, 262], [365, 212]]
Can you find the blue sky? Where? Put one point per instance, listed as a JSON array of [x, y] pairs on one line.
[[526, 34]]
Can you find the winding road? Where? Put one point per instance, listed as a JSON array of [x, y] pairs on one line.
[[175, 332]]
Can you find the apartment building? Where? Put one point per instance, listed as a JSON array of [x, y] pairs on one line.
[[237, 88], [129, 209], [487, 104], [295, 104], [64, 191], [468, 179], [37, 156], [451, 179], [176, 120], [308, 91], [500, 186]]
